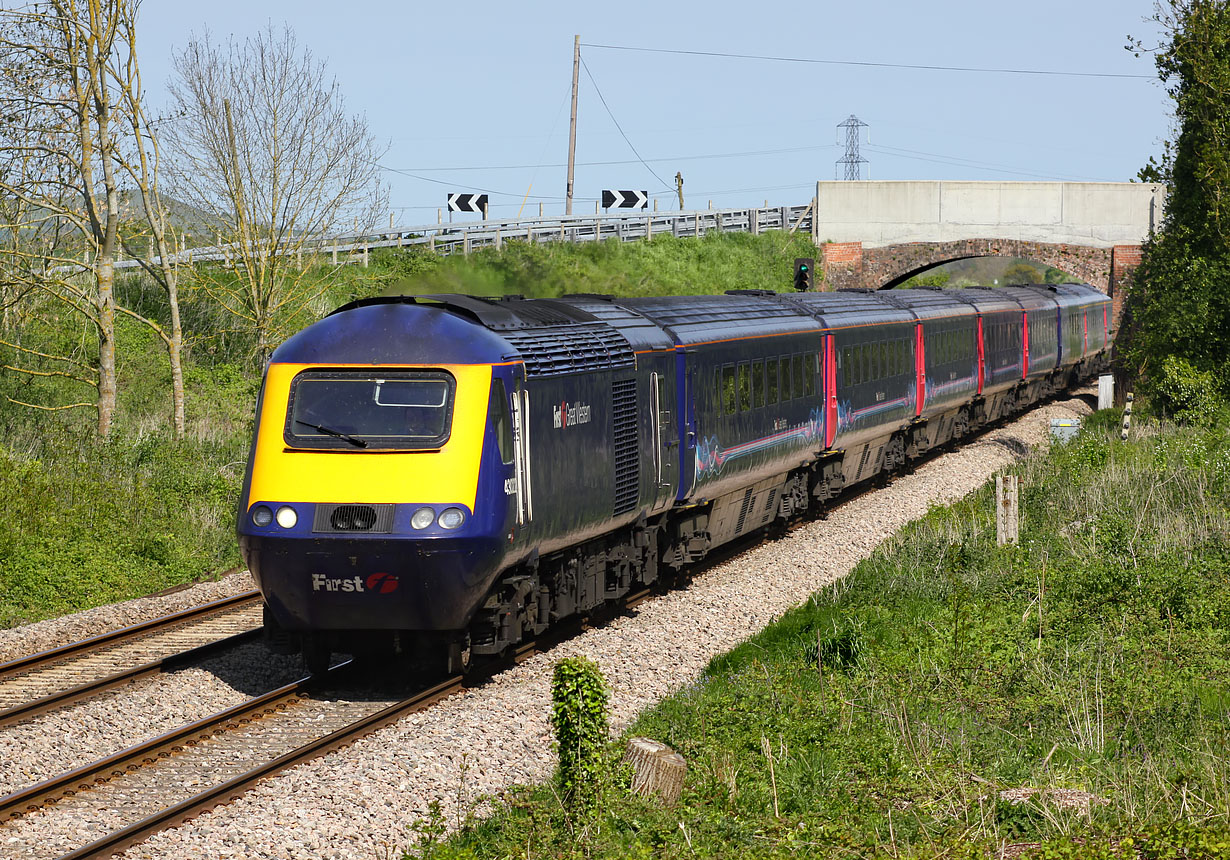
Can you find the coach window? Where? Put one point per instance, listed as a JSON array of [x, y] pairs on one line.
[[784, 365], [771, 372], [745, 388], [757, 384], [728, 389], [501, 421], [796, 362], [809, 374]]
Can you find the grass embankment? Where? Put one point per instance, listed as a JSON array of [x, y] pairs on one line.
[[89, 522], [904, 711]]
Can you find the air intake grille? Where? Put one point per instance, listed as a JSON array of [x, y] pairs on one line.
[[570, 348], [627, 457], [334, 519]]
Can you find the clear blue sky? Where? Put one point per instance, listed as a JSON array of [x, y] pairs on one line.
[[474, 95]]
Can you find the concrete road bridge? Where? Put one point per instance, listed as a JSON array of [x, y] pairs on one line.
[[879, 234]]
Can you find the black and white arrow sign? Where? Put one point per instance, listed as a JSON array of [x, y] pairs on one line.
[[625, 199], [467, 203]]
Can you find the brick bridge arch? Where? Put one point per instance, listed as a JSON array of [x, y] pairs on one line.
[[849, 264]]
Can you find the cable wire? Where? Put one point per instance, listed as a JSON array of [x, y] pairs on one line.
[[867, 63], [618, 126]]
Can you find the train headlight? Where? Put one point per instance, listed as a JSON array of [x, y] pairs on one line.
[[287, 517], [450, 518], [422, 518], [261, 516]]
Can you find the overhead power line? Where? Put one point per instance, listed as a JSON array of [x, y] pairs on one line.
[[671, 159], [868, 63], [601, 98]]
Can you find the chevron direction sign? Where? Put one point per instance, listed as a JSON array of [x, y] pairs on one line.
[[625, 199], [467, 203]]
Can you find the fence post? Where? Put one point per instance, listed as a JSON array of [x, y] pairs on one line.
[[1007, 510], [465, 243]]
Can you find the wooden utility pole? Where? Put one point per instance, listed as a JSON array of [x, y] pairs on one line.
[[572, 127]]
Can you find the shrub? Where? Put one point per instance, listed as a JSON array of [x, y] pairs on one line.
[[579, 716], [1191, 396]]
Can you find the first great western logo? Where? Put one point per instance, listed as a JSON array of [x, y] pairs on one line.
[[570, 414]]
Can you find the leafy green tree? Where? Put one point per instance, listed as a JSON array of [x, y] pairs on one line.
[[1022, 273], [1177, 304]]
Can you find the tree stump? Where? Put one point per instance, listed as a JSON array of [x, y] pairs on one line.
[[656, 769]]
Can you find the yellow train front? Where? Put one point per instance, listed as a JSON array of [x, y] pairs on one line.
[[375, 510]]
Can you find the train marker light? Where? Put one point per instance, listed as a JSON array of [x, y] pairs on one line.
[[287, 517], [261, 516], [422, 518], [450, 518], [804, 273]]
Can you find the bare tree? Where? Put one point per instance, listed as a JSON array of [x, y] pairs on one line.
[[72, 129], [263, 144]]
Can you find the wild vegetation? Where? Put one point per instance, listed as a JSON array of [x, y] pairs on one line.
[[1178, 309], [1067, 696]]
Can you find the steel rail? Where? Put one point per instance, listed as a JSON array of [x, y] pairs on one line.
[[64, 698], [134, 631], [84, 778]]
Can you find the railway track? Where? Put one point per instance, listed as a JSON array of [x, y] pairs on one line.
[[59, 677], [167, 780]]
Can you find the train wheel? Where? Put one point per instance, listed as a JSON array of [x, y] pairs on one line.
[[459, 656], [316, 655]]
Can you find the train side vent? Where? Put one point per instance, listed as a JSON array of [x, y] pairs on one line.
[[339, 519], [571, 349], [627, 455]]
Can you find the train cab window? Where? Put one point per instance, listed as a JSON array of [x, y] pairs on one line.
[[500, 420], [757, 384], [348, 410], [771, 373], [729, 403], [745, 388]]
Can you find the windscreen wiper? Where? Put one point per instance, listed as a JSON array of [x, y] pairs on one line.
[[329, 431]]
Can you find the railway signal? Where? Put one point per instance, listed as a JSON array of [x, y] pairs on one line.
[[476, 203], [625, 199], [804, 277]]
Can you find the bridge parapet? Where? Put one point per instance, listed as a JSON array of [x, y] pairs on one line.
[[1092, 214]]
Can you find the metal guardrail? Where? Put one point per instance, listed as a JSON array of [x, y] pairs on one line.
[[451, 238]]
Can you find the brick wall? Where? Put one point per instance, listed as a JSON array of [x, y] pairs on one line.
[[1124, 260]]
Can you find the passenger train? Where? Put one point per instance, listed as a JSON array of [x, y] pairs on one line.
[[444, 476]]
